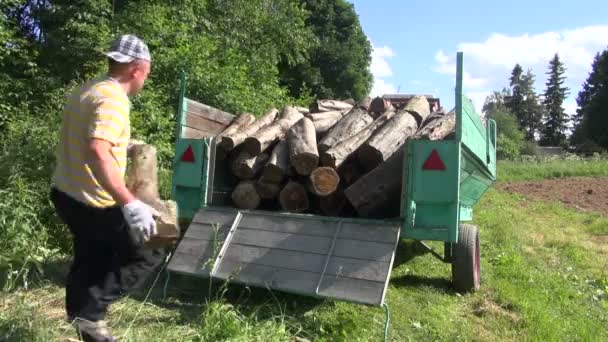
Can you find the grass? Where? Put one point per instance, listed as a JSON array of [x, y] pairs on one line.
[[545, 278], [535, 170]]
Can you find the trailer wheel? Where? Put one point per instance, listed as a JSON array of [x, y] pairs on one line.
[[466, 271]]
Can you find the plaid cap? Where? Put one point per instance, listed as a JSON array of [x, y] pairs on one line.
[[127, 48]]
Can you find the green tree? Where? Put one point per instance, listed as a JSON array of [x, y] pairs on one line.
[[591, 120], [510, 138], [556, 120], [338, 66], [524, 103]]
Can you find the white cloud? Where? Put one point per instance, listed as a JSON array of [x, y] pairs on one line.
[[380, 70], [379, 66], [488, 64], [380, 88]]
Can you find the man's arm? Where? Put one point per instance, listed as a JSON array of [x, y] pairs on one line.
[[105, 170]]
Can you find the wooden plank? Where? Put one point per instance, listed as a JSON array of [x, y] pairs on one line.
[[301, 261], [358, 269], [191, 264], [368, 232], [202, 231], [204, 124], [358, 290], [193, 133], [210, 112], [301, 282], [210, 216], [294, 260], [196, 247], [302, 243], [373, 251], [269, 277], [287, 225]]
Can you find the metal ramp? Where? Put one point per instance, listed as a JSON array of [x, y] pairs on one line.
[[326, 257]]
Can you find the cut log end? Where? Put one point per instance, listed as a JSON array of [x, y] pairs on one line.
[[252, 146], [305, 163], [267, 190], [245, 195], [333, 204], [226, 143], [369, 157], [324, 181], [294, 198]]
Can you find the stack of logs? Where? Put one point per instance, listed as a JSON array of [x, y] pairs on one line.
[[335, 158]]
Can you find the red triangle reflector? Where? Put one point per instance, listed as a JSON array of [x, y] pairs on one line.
[[434, 162], [188, 155]]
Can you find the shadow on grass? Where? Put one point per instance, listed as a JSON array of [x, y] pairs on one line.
[[416, 281]]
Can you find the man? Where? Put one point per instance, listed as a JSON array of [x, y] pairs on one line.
[[107, 222]]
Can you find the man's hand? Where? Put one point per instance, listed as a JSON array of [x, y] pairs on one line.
[[140, 216]]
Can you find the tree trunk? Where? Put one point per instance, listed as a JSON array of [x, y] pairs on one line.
[[294, 197], [142, 181], [365, 103], [260, 141], [246, 166], [333, 204], [303, 110], [378, 193], [303, 153], [349, 172], [323, 181], [437, 128], [352, 123], [278, 164], [240, 122], [245, 195], [379, 105], [329, 105], [335, 156], [229, 142], [419, 107], [267, 190], [334, 114], [388, 139]]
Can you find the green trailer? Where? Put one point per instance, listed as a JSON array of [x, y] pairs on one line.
[[330, 257]]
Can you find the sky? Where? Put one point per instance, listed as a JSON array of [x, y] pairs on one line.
[[415, 43]]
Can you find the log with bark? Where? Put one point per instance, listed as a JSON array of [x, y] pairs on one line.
[[377, 193], [333, 204], [267, 190], [419, 107], [365, 103], [142, 181], [438, 127], [259, 141], [294, 197], [323, 181], [352, 123], [276, 168], [240, 122], [302, 141], [326, 120], [335, 156], [246, 166], [379, 105], [329, 105], [303, 110], [245, 195], [230, 141], [386, 140]]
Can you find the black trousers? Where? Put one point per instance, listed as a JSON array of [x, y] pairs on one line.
[[107, 263]]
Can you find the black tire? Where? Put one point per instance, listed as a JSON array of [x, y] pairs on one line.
[[466, 269]]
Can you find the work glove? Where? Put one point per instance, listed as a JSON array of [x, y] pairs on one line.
[[140, 218]]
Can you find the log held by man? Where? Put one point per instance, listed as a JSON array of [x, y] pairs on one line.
[[142, 181]]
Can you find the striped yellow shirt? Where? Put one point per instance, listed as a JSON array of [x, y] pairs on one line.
[[97, 109]]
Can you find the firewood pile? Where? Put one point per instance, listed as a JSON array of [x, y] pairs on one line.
[[336, 158]]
